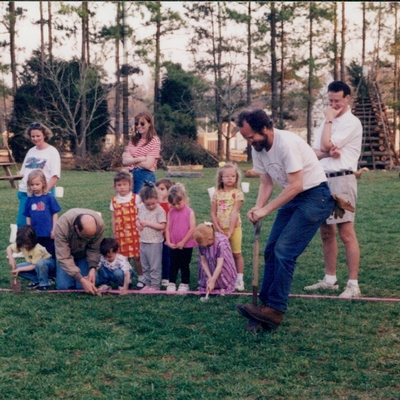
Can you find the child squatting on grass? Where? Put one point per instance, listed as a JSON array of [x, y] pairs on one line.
[[225, 207], [162, 186], [151, 223], [217, 271], [123, 220], [181, 223], [38, 262], [113, 267]]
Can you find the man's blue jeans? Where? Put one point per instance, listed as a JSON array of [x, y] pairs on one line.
[[43, 270], [295, 225], [65, 282]]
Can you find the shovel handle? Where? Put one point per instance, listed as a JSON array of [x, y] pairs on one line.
[[256, 251]]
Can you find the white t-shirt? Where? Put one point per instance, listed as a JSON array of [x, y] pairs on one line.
[[125, 199], [48, 160], [346, 135], [289, 153]]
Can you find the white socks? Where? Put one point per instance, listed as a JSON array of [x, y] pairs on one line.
[[331, 279]]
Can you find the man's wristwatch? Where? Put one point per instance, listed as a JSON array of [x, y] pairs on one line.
[[328, 122]]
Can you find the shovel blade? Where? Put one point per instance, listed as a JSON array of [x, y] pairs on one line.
[[16, 286]]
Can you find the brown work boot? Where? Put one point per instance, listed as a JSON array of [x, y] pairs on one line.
[[265, 314], [255, 327]]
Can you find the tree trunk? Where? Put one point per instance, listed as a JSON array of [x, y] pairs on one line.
[[364, 31], [335, 44], [81, 147], [118, 74], [310, 77], [157, 66], [125, 93], [41, 48], [396, 77], [283, 44], [343, 44], [50, 30], [12, 47], [274, 72]]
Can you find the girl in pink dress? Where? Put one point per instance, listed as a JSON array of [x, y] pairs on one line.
[[217, 270], [181, 224]]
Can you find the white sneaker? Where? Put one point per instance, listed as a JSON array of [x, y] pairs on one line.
[[104, 287], [239, 285], [351, 291], [183, 287], [171, 287], [323, 285], [165, 282]]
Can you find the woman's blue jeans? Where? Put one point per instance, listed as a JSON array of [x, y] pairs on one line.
[[295, 225], [139, 176]]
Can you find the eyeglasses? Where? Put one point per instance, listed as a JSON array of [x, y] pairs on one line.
[[140, 123], [35, 125]]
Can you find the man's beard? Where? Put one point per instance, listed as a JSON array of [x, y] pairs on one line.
[[261, 145]]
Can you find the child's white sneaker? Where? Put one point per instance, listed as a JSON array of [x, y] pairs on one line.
[[171, 287], [183, 287], [104, 287], [165, 282]]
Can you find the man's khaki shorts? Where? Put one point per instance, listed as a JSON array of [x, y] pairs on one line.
[[346, 188]]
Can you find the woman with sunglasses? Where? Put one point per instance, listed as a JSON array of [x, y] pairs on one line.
[[143, 151], [42, 156]]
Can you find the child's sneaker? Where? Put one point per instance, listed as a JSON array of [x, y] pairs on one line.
[[183, 287], [43, 288], [140, 285], [171, 287], [165, 282], [33, 285], [104, 287], [239, 285]]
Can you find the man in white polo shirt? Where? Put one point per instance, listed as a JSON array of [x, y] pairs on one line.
[[337, 145]]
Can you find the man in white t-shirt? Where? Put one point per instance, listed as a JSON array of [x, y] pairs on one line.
[[303, 204], [337, 145]]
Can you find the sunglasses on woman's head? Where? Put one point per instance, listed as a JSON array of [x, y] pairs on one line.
[[35, 125], [140, 123]]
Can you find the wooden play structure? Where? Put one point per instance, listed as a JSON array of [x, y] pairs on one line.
[[10, 169], [378, 138]]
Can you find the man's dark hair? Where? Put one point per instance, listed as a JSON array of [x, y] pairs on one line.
[[256, 118], [338, 86], [78, 222], [107, 245]]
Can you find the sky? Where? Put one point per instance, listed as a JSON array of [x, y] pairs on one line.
[[28, 35]]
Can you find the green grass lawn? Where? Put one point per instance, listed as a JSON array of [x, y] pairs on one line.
[[75, 346]]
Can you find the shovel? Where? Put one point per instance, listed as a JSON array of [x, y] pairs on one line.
[[16, 285], [252, 325]]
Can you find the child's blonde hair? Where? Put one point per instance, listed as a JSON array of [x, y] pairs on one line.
[[219, 184], [177, 193], [203, 233], [37, 173]]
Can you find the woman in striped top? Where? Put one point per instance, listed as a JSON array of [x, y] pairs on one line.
[[143, 151]]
